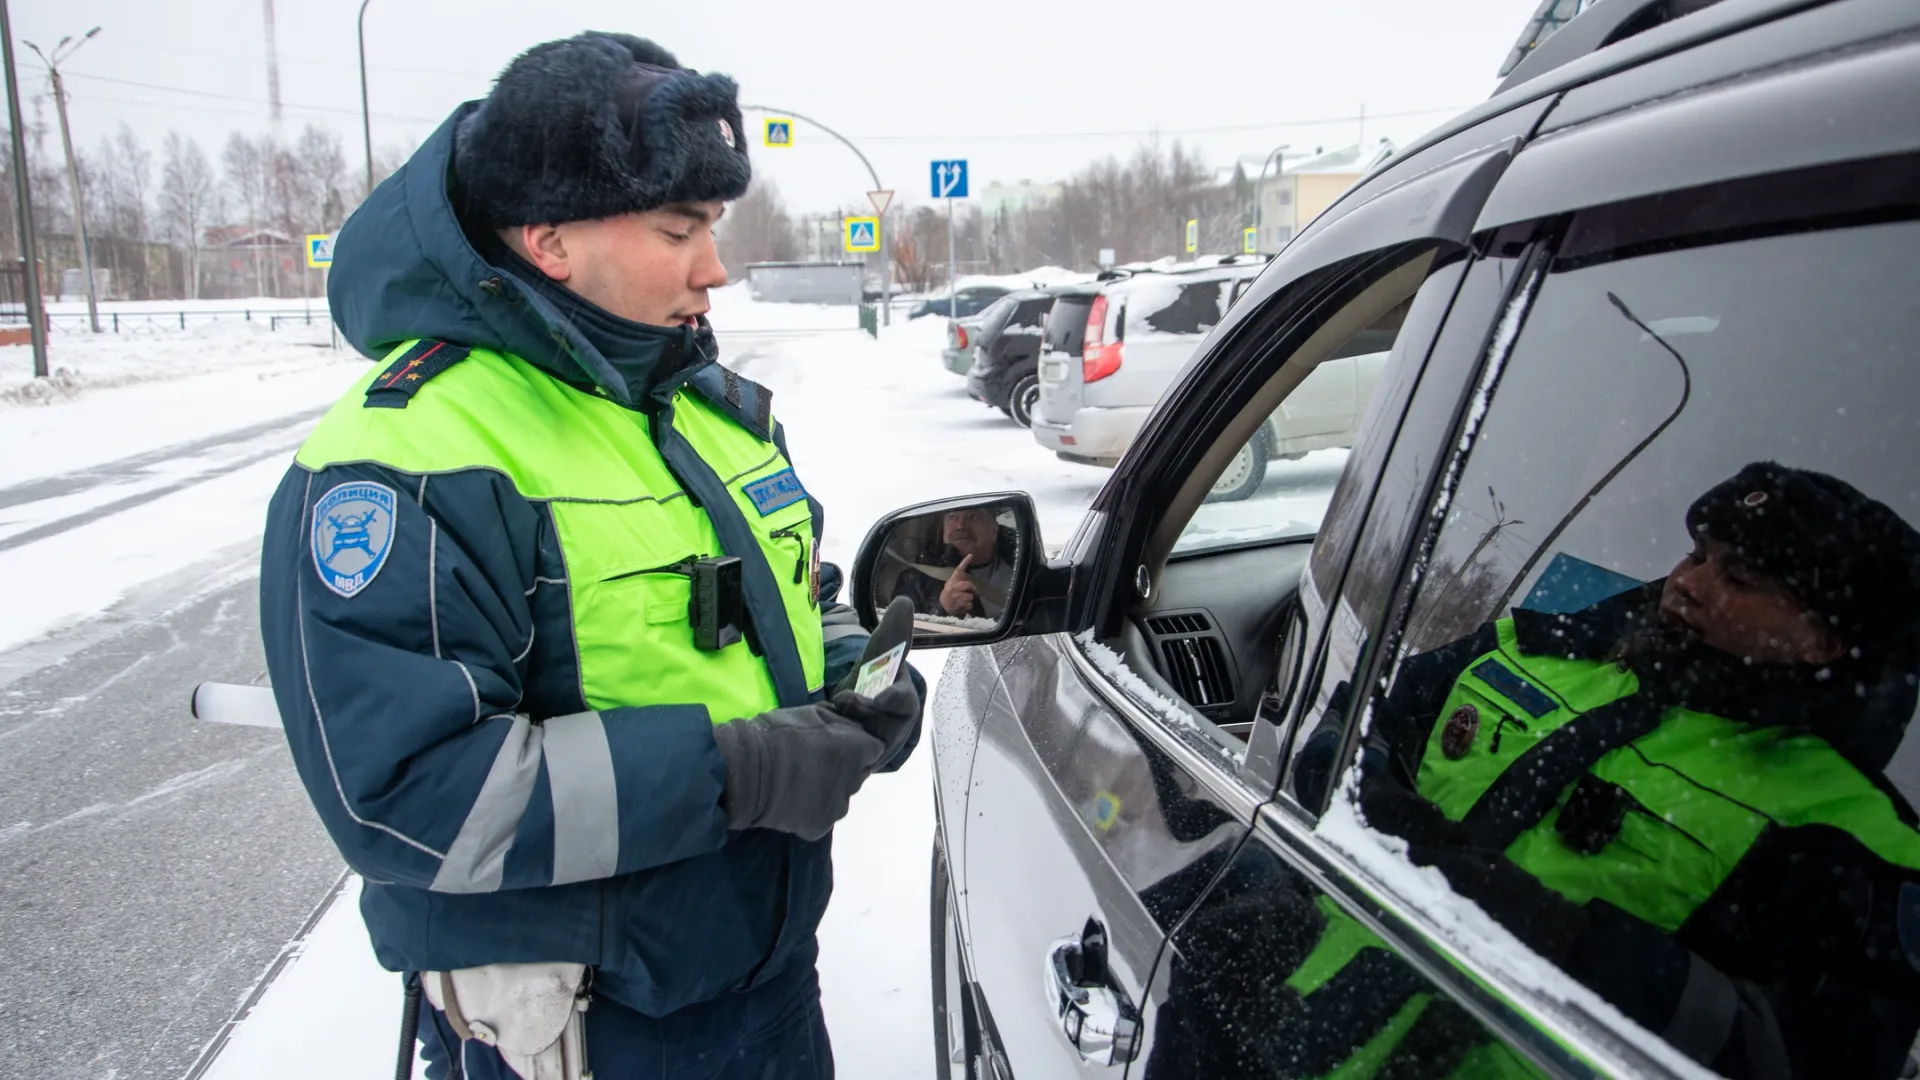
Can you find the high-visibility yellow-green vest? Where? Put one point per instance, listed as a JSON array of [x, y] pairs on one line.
[[624, 525], [1342, 940], [1704, 787]]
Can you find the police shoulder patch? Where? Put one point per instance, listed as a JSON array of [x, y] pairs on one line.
[[776, 492], [352, 535]]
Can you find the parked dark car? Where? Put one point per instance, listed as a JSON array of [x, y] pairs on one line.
[[1006, 365], [1310, 784], [967, 302]]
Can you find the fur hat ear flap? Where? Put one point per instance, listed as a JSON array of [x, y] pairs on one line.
[[595, 126]]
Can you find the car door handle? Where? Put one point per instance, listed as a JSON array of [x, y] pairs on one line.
[[1097, 1018]]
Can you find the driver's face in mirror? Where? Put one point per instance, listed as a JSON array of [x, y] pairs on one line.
[[971, 532], [956, 566]]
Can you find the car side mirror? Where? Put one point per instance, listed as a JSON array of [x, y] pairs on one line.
[[967, 565]]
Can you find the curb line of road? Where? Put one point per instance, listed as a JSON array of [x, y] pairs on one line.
[[288, 953]]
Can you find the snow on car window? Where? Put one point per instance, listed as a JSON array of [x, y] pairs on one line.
[[1170, 307]]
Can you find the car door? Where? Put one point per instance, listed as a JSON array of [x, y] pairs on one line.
[[1649, 376], [1112, 779]]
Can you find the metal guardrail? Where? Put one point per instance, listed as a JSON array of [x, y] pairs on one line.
[[117, 321]]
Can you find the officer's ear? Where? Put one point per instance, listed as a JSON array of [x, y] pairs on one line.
[[542, 245]]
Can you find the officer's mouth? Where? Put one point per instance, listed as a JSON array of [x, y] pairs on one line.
[[691, 320]]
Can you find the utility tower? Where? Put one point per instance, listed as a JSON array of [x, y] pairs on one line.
[[273, 66]]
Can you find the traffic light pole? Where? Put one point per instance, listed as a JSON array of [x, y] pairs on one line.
[[886, 257]]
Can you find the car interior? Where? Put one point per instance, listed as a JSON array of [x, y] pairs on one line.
[[1213, 629]]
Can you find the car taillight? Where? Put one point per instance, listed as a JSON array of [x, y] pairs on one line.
[[1097, 358], [959, 336]]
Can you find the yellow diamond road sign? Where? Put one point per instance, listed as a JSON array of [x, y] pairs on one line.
[[779, 131], [862, 234]]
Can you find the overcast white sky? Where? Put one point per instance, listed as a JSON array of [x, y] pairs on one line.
[[1023, 89]]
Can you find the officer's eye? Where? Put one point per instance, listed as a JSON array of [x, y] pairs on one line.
[[678, 237]]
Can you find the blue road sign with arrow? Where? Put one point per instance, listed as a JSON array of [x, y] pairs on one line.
[[950, 179]]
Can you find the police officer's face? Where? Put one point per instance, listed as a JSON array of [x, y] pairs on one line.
[[1738, 610], [653, 268], [971, 532]]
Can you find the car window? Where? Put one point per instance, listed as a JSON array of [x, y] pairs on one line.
[[1649, 706], [1168, 307], [1031, 312], [1067, 324], [1278, 483]]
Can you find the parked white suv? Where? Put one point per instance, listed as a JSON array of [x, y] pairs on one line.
[[1112, 349]]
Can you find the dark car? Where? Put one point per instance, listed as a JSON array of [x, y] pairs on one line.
[[1005, 369], [967, 302], [1376, 772]]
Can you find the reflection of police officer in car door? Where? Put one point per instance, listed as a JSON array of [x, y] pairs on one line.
[[1676, 794]]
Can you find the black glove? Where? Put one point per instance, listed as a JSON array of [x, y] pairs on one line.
[[795, 769], [888, 716]]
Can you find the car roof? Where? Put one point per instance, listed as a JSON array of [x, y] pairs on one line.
[[1564, 67]]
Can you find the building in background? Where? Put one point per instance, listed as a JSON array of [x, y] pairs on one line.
[[1294, 195], [1015, 198]]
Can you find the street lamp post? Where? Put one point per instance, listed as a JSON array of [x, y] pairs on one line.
[[1259, 200], [886, 257], [61, 52], [23, 207], [366, 116]]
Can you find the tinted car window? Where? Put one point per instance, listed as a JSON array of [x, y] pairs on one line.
[[1651, 700], [1031, 312], [1067, 324]]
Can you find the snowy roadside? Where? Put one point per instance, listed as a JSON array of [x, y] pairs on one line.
[[94, 501]]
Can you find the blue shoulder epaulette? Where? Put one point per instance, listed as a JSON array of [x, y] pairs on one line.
[[411, 370]]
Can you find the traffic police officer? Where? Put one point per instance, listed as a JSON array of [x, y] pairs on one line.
[[542, 599]]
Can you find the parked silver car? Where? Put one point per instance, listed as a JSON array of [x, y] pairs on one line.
[[1099, 380]]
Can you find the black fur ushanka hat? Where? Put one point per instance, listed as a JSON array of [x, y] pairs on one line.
[[595, 126]]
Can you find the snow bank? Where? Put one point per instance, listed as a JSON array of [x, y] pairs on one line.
[[82, 361]]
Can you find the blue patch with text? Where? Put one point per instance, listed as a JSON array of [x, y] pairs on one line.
[[352, 534], [1516, 689], [775, 492]]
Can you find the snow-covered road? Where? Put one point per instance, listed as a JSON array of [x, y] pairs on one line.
[[152, 868]]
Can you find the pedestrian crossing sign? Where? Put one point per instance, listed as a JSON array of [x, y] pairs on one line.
[[863, 234], [320, 250], [1249, 240], [779, 131]]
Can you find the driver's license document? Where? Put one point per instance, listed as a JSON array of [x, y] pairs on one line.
[[878, 673]]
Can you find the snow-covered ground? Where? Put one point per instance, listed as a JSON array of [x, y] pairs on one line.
[[101, 509]]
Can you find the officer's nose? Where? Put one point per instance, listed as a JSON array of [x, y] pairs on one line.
[[708, 271]]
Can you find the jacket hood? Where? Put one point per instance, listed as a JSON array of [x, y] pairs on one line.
[[404, 268]]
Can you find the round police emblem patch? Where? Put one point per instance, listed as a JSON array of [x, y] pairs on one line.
[[1457, 737], [352, 534], [726, 132]]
